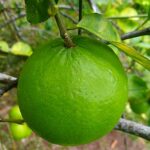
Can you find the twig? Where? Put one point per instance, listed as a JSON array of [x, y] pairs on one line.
[[73, 28], [24, 14], [61, 6], [133, 34], [80, 15], [12, 20], [6, 17], [66, 7], [69, 17], [142, 24], [8, 87], [124, 125], [134, 128], [11, 121], [63, 32], [15, 28], [62, 29], [94, 6], [127, 17]]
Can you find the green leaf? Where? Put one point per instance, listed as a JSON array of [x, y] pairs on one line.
[[99, 26], [37, 10], [56, 1], [129, 24], [1, 7], [132, 53], [143, 45], [148, 13], [21, 48], [4, 47]]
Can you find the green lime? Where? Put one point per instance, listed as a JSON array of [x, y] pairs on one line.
[[139, 107], [144, 3], [138, 94], [137, 88], [18, 131], [72, 96], [148, 117], [15, 113]]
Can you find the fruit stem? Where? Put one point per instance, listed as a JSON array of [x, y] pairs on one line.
[[63, 32], [62, 29]]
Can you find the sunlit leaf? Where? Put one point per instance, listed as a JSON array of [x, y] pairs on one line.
[[133, 53], [37, 10], [4, 46], [143, 45], [128, 24], [149, 12], [21, 48], [99, 26]]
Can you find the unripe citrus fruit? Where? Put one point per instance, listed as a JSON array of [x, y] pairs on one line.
[[15, 113], [139, 107], [18, 131], [72, 96], [137, 87], [138, 94]]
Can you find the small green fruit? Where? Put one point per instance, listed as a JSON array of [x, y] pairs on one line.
[[15, 113], [139, 107], [138, 94], [137, 88], [18, 131]]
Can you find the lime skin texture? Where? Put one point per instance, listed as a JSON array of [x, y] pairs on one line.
[[72, 96], [18, 131]]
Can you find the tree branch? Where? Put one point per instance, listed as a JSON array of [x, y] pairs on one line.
[[6, 78], [8, 87], [66, 7], [11, 82], [124, 125], [134, 128], [134, 34]]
